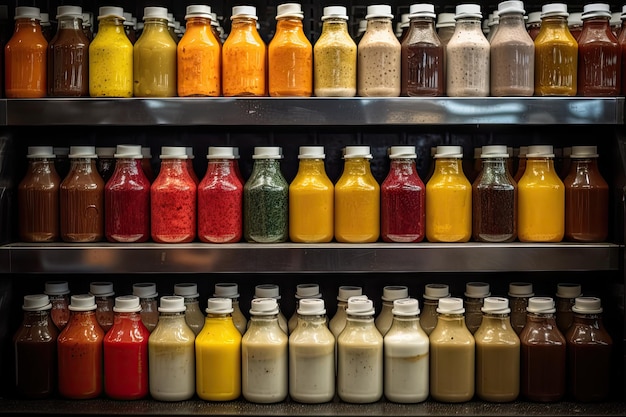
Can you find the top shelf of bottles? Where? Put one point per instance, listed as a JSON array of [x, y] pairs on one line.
[[313, 111]]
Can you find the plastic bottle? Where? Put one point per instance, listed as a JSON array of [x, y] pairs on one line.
[[311, 199], [445, 27], [338, 321], [272, 291], [406, 348], [303, 292], [58, 293], [105, 164], [105, 300], [218, 354], [148, 299], [533, 24], [519, 294], [475, 293], [193, 314], [231, 290], [391, 293], [566, 294], [432, 294]]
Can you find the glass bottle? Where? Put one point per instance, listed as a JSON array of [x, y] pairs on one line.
[[303, 292], [104, 298], [575, 24], [272, 291], [215, 28], [193, 314], [110, 56], [58, 293], [497, 353], [148, 299], [264, 355], [127, 198], [406, 348], [566, 294], [173, 199], [38, 197], [589, 352], [586, 198], [311, 199], [423, 66], [449, 202], [494, 197], [357, 199], [475, 293], [521, 163], [445, 27], [35, 349], [335, 56], [244, 56], [403, 214], [25, 60], [493, 23], [360, 355], [171, 26], [467, 55], [533, 24], [543, 353], [519, 294], [338, 321], [154, 57], [105, 164], [199, 56], [391, 293], [266, 199], [311, 355], [81, 198], [379, 56], [171, 353], [432, 294], [556, 54], [231, 290]]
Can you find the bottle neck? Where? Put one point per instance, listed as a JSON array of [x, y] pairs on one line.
[[598, 23], [539, 164], [155, 25], [422, 23], [269, 166], [584, 164], [496, 320], [357, 166], [469, 24], [554, 22], [27, 25], [311, 321], [451, 320], [73, 23], [82, 317], [36, 318], [403, 167], [405, 323], [269, 320], [41, 166], [198, 23], [83, 166], [496, 166], [288, 24], [334, 25], [243, 24], [448, 166], [221, 167], [541, 317], [111, 24], [128, 165], [359, 320], [379, 24], [311, 167], [220, 317], [512, 21]]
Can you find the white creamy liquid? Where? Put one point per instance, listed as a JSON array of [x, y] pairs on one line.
[[406, 367]]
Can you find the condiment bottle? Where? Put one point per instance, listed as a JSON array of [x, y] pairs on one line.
[[35, 349], [87, 25], [586, 198], [475, 293], [231, 290], [154, 57], [129, 27], [566, 294], [599, 54], [38, 197], [220, 199], [173, 199], [493, 24], [25, 60], [357, 199], [338, 321], [110, 56], [335, 56], [519, 294], [244, 60], [533, 24], [379, 56], [104, 298], [497, 353], [272, 291], [199, 56], [575, 24], [494, 197], [171, 26], [589, 352], [311, 199], [146, 163], [467, 55], [360, 31], [556, 54], [432, 294], [126, 352], [521, 163], [264, 355], [445, 27], [58, 293], [541, 198], [616, 23], [80, 351], [46, 26], [148, 299], [218, 354], [303, 292], [543, 356], [81, 199], [406, 348], [105, 164], [68, 56], [423, 64], [512, 53], [391, 293], [449, 202], [452, 354], [360, 355], [311, 355], [171, 353], [193, 314], [266, 199], [402, 27], [215, 28], [402, 193]]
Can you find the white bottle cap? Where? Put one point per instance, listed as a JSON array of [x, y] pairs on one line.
[[198, 10], [623, 16], [445, 20], [145, 290], [596, 10], [494, 151], [335, 12], [267, 152], [128, 151], [523, 151], [583, 152], [70, 11], [421, 10], [105, 151], [101, 289], [521, 289], [405, 20], [542, 305], [110, 11], [170, 19], [128, 19], [540, 151], [311, 307], [534, 17], [405, 307], [436, 291], [568, 290], [82, 152], [172, 304], [244, 11], [219, 306], [468, 10], [395, 292], [263, 306], [587, 305], [308, 291], [36, 302], [450, 305], [511, 6], [82, 302], [357, 152], [378, 10], [153, 12], [267, 291], [127, 304], [574, 19], [402, 152], [362, 26], [173, 152], [449, 152], [347, 291], [40, 152], [226, 290], [87, 19], [145, 152], [220, 152], [360, 306], [554, 9], [26, 12], [311, 152], [289, 10], [189, 152], [56, 288], [477, 290], [187, 290], [496, 305]]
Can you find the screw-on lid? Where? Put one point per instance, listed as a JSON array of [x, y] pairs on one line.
[[477, 290], [189, 152], [128, 151], [378, 10], [496, 305], [421, 10], [568, 290], [56, 288], [335, 12], [82, 302], [512, 6], [154, 12], [402, 152], [405, 307], [214, 21], [540, 151], [587, 305], [219, 306], [468, 10], [554, 9], [110, 11], [289, 10], [40, 152], [405, 20], [449, 152], [494, 18], [45, 19], [533, 17], [521, 289], [127, 304], [362, 26], [267, 152], [26, 12], [436, 291], [308, 291], [541, 305], [596, 10], [220, 152], [357, 152], [173, 152], [244, 11], [87, 16], [450, 305], [226, 290], [360, 306], [263, 306], [445, 20], [267, 291], [187, 290], [347, 291], [311, 152], [311, 307], [105, 151], [494, 151], [145, 152], [172, 304], [170, 19], [128, 19], [70, 11], [36, 302], [623, 16], [574, 19], [198, 10], [82, 152], [583, 152], [145, 290], [395, 292], [101, 289]]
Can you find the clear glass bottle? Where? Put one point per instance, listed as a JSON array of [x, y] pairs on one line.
[[148, 299], [303, 292], [58, 293], [231, 290], [493, 23], [519, 294], [566, 294], [445, 27], [272, 291], [432, 294], [193, 314], [338, 321], [105, 300], [391, 293], [475, 293]]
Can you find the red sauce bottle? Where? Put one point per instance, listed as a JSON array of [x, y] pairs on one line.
[[127, 198], [80, 351], [126, 352], [58, 292], [35, 344]]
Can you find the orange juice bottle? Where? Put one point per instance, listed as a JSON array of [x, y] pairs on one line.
[[290, 55], [244, 56], [25, 56], [199, 56]]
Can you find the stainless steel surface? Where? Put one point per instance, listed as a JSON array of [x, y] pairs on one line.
[[314, 111], [307, 258]]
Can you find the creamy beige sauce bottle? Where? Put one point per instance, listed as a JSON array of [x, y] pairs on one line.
[[272, 291], [475, 293], [385, 317], [432, 294], [303, 291], [231, 290], [193, 314]]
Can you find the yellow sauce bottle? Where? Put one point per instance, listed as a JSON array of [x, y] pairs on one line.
[[110, 56], [218, 354], [448, 198], [357, 199], [541, 198], [311, 199]]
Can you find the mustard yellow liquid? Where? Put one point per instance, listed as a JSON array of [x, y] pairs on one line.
[[110, 61]]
